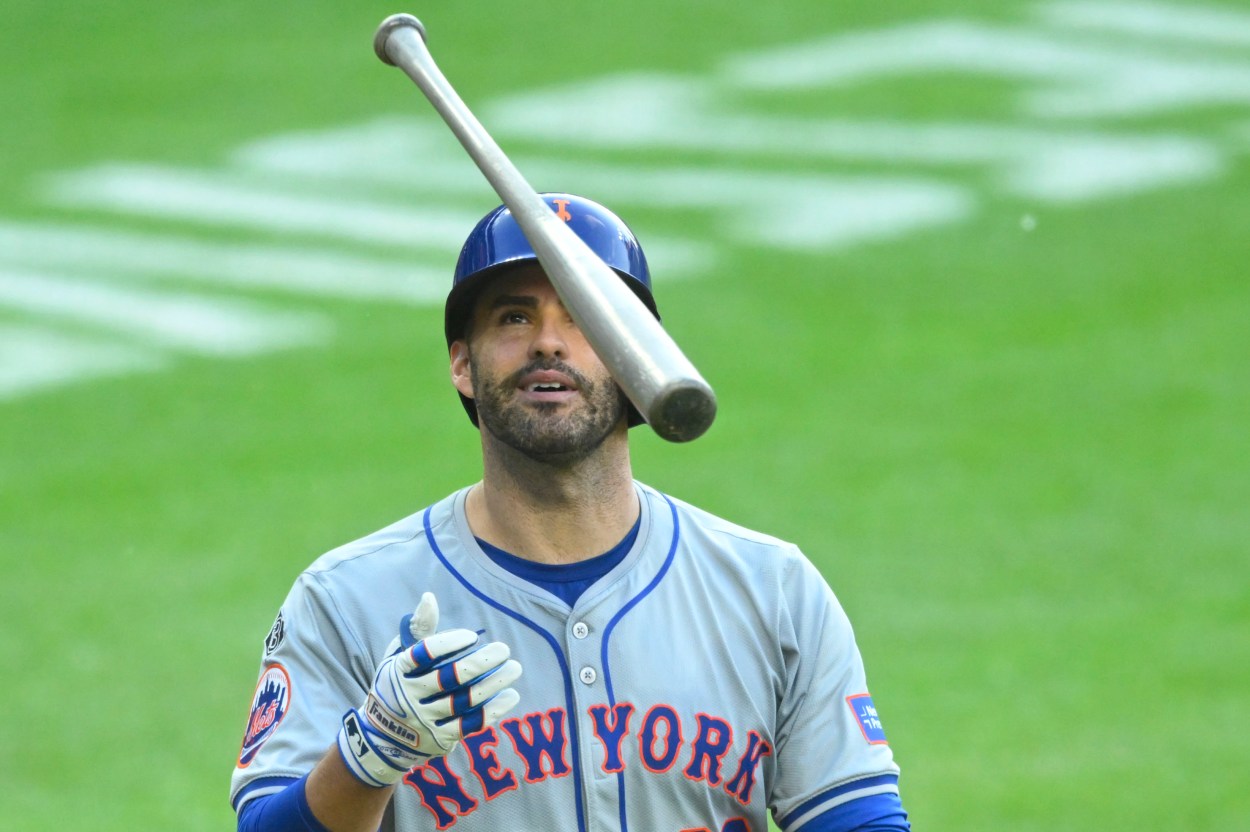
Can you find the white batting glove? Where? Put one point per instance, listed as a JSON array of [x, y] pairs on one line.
[[432, 690]]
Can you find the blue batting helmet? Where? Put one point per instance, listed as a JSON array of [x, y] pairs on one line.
[[497, 244]]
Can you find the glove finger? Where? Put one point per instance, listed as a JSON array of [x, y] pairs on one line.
[[500, 705], [467, 670], [427, 652], [450, 677], [462, 701], [489, 714], [494, 709], [495, 683]]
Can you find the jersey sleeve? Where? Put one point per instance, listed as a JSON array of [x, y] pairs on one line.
[[831, 745], [311, 673]]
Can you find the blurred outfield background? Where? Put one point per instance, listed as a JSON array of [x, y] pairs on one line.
[[969, 278]]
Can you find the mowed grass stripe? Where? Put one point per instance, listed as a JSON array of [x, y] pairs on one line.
[[1209, 24], [222, 199], [181, 322], [302, 270], [34, 358]]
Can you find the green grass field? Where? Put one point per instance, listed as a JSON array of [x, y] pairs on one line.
[[1012, 433]]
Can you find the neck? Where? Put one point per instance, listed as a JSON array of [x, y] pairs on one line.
[[554, 511]]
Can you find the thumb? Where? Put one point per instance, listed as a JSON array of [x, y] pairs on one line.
[[420, 623], [424, 622]]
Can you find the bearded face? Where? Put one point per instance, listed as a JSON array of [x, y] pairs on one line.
[[538, 386], [514, 410]]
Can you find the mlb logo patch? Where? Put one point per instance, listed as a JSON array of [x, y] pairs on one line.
[[269, 705], [866, 715]]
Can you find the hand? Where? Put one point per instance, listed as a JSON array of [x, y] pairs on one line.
[[430, 691]]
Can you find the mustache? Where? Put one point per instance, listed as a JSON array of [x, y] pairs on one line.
[[549, 364]]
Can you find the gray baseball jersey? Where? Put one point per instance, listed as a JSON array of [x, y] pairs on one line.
[[709, 677]]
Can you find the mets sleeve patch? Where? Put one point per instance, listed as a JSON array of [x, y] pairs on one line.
[[269, 705]]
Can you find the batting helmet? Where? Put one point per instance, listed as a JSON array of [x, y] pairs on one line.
[[497, 244]]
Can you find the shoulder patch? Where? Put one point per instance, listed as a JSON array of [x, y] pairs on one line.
[[866, 716], [276, 634], [270, 703]]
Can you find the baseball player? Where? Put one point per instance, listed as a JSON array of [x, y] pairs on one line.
[[681, 673]]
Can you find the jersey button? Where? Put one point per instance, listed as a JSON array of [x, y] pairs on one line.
[[588, 675], [580, 630]]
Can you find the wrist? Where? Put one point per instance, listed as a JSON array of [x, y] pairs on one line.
[[375, 765]]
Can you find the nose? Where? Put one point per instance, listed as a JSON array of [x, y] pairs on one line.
[[551, 337]]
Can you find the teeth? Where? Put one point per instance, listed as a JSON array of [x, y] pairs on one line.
[[546, 386]]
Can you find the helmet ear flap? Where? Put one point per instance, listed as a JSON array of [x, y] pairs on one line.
[[497, 243]]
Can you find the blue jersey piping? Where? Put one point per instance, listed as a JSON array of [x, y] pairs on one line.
[[607, 633], [555, 647]]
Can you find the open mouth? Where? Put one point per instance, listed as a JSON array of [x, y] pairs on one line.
[[547, 383], [547, 387]]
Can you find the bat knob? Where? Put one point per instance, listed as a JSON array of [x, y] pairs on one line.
[[386, 27]]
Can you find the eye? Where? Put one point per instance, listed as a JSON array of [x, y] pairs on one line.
[[513, 316]]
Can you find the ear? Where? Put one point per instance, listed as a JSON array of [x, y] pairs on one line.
[[461, 368]]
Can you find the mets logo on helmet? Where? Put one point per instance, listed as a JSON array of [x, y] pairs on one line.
[[269, 704]]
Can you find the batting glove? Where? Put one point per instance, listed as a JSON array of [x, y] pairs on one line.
[[430, 692]]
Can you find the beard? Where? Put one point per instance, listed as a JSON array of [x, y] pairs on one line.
[[537, 430]]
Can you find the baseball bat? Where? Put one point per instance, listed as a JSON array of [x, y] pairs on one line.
[[645, 361]]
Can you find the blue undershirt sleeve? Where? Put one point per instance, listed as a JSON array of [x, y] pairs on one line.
[[875, 813], [284, 811]]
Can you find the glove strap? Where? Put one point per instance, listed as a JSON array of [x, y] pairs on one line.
[[376, 764]]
